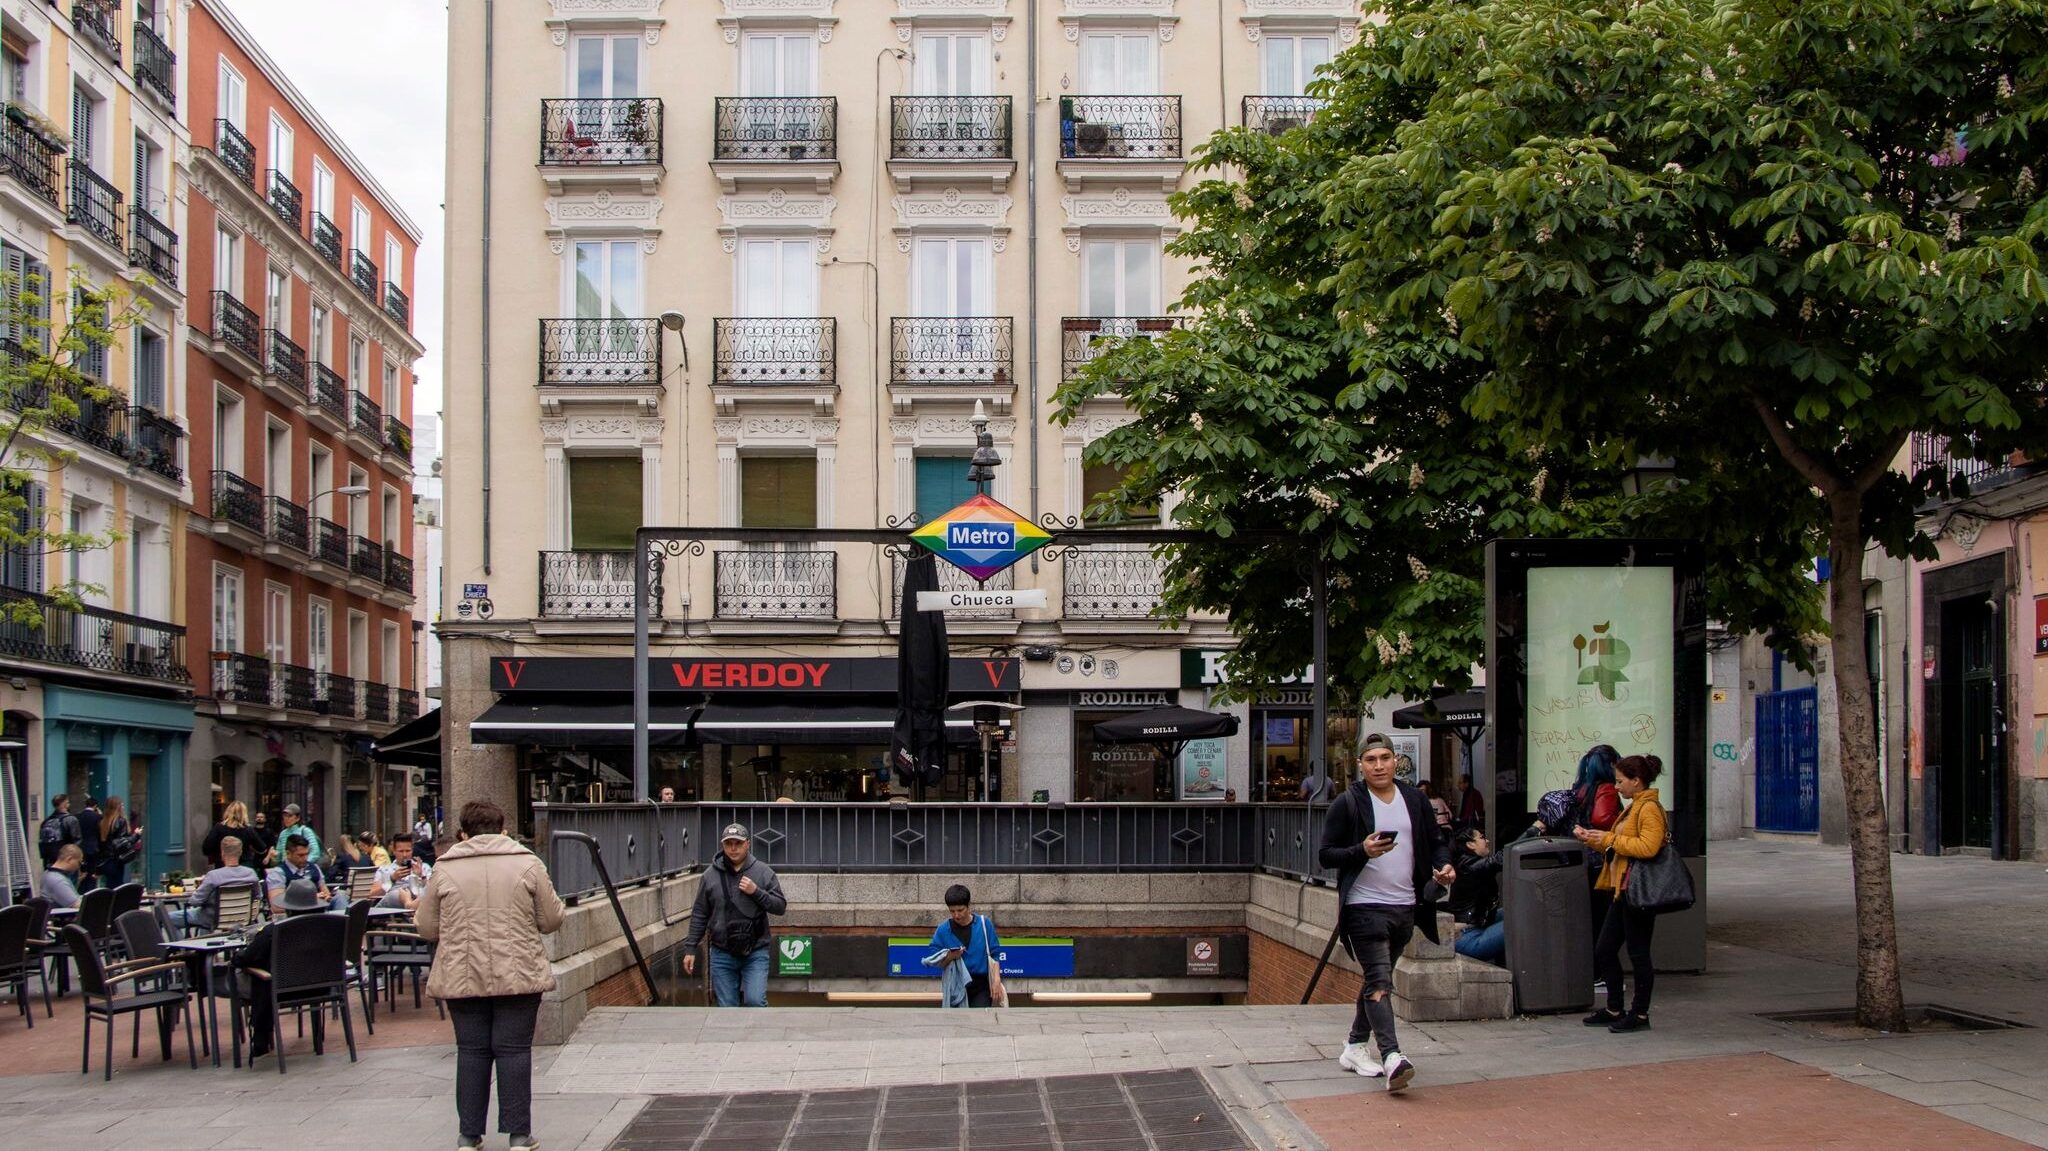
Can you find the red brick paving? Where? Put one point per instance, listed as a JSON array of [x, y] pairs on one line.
[[1736, 1101]]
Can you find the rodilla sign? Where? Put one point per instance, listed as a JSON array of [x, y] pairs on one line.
[[981, 537]]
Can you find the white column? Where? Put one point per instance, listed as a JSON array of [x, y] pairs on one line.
[[729, 485], [556, 465], [1002, 484], [1075, 500], [650, 484], [906, 479], [828, 455]]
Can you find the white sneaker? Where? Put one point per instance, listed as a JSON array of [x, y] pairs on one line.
[[1399, 1073], [1358, 1057]]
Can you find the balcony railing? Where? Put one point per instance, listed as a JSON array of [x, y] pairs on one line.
[[284, 359], [397, 436], [782, 585], [334, 694], [239, 678], [100, 22], [95, 639], [1274, 115], [1113, 583], [153, 442], [30, 158], [594, 585], [397, 572], [99, 422], [362, 273], [366, 559], [777, 351], [953, 579], [284, 198], [95, 205], [235, 151], [1972, 474], [408, 705], [235, 324], [1082, 338], [330, 542], [397, 305], [1120, 127], [326, 238], [156, 66], [289, 525], [298, 687], [376, 701], [625, 132], [598, 351], [949, 128], [153, 247], [368, 417], [776, 128], [239, 502], [330, 393], [942, 350]]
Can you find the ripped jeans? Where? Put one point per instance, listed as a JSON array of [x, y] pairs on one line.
[[1377, 935]]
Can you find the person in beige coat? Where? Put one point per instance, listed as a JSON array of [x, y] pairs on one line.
[[487, 904]]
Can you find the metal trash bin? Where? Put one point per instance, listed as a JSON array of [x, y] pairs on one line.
[[1544, 892]]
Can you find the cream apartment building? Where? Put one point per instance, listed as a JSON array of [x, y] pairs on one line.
[[860, 218]]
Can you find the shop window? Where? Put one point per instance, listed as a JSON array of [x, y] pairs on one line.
[[1117, 773]]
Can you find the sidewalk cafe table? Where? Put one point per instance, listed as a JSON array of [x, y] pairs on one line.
[[207, 950]]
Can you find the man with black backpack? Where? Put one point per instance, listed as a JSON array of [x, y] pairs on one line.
[[735, 897], [59, 829]]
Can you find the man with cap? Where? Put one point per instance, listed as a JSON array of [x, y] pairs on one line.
[[295, 829], [735, 897], [1382, 838], [301, 897]]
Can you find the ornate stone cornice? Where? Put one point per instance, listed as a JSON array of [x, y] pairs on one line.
[[1119, 208], [778, 13], [952, 208], [775, 211], [602, 213], [1078, 12], [1340, 16], [995, 13]]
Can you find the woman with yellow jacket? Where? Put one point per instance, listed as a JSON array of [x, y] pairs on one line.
[[1639, 834]]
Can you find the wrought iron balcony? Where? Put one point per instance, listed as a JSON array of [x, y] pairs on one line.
[[619, 133], [153, 247], [156, 66], [237, 501], [362, 273], [776, 128], [330, 394], [235, 151], [366, 559], [1112, 583], [298, 687], [1082, 338], [99, 419], [953, 579], [376, 702], [289, 524], [1120, 127], [408, 705], [284, 359], [153, 440], [369, 418], [397, 305], [946, 350], [398, 572], [235, 325], [397, 436], [326, 238], [1274, 115], [284, 198], [30, 157], [599, 351], [95, 639], [1971, 472], [99, 21], [774, 351], [239, 678], [334, 694], [95, 205], [949, 128], [777, 585], [330, 542], [594, 585]]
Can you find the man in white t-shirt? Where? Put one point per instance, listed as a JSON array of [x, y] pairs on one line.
[[1381, 836]]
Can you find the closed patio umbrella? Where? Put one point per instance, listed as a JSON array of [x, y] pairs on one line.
[[917, 746]]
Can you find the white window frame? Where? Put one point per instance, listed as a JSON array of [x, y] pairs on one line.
[[608, 68], [789, 77], [937, 54], [608, 253], [227, 609], [228, 414], [392, 387], [394, 260], [358, 515], [319, 635], [227, 260], [785, 248], [277, 297], [940, 255], [277, 625], [392, 665], [273, 460], [358, 364], [390, 513], [323, 189], [283, 143], [358, 662], [1120, 79], [1120, 288], [319, 332], [1295, 84], [359, 223], [321, 485], [231, 101]]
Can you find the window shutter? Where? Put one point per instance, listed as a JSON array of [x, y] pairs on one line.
[[141, 187], [81, 127], [33, 549]]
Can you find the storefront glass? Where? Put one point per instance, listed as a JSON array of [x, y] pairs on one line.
[[1117, 773], [1280, 751]]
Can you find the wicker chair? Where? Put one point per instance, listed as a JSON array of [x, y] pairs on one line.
[[99, 987]]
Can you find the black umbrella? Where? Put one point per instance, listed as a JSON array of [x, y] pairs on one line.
[[1167, 728], [1462, 713], [917, 748]]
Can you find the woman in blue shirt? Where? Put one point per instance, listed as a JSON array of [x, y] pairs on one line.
[[964, 945]]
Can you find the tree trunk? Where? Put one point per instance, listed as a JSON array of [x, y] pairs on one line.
[[1880, 1001]]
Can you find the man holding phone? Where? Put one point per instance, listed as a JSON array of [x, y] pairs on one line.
[[401, 882], [1381, 836]]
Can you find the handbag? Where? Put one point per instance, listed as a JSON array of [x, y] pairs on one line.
[[742, 936], [997, 997], [1658, 884]]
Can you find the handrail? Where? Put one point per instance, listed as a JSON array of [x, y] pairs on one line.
[[611, 892]]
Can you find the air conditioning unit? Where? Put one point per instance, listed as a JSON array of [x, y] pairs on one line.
[[1099, 139], [1280, 125], [142, 655]]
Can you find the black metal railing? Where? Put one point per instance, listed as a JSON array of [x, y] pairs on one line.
[[284, 198], [776, 128], [330, 542], [397, 436], [397, 571], [618, 132], [1274, 115], [594, 585], [334, 694], [93, 638], [238, 502], [947, 350], [600, 351], [1082, 338], [1970, 472], [99, 421], [397, 304], [376, 702], [289, 524], [235, 150], [100, 22], [949, 128], [366, 558], [30, 157], [368, 417], [774, 351], [1112, 583], [153, 442], [284, 358], [156, 66], [235, 325], [330, 393], [95, 204], [152, 246], [764, 584], [1120, 127], [300, 687], [408, 705], [239, 678], [326, 238], [362, 272]]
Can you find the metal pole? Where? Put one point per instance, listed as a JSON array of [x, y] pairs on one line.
[[639, 666], [1319, 668]]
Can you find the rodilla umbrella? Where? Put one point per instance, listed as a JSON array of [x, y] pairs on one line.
[[917, 747], [1167, 728]]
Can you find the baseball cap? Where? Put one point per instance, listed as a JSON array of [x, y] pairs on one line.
[[291, 809], [1375, 740], [734, 831]]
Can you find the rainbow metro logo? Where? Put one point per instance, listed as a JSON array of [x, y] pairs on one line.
[[981, 537]]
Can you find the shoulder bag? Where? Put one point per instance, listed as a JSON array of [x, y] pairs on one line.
[[742, 935], [1658, 884], [997, 997]]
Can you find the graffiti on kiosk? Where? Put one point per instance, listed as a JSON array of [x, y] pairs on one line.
[[1725, 751]]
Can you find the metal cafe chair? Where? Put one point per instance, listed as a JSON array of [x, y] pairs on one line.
[[99, 988], [236, 904], [307, 970], [360, 883], [14, 955]]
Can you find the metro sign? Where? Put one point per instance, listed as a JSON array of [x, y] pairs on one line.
[[981, 537]]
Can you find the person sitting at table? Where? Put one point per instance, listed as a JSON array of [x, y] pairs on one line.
[[201, 912], [300, 897], [400, 883], [60, 883], [297, 865]]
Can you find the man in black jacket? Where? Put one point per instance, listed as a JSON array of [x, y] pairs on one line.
[[1382, 838], [735, 897]]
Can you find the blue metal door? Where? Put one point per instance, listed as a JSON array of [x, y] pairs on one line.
[[1788, 760]]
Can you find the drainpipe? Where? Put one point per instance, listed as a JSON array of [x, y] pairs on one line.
[[485, 358], [1031, 249]]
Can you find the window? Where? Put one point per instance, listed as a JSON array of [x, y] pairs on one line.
[[281, 142], [778, 492], [277, 624], [323, 190], [1119, 64], [607, 279], [89, 309], [149, 582], [21, 564], [942, 485], [779, 64], [84, 128], [227, 432], [358, 512], [604, 502], [14, 67], [149, 369], [277, 282], [316, 335], [392, 653], [606, 67], [227, 609], [393, 528], [359, 227], [277, 459], [319, 636], [391, 396], [25, 275], [394, 260], [1120, 277], [227, 261], [950, 276], [147, 14], [1290, 62], [778, 277], [1097, 479], [320, 478], [358, 364], [233, 102], [149, 189], [951, 64], [359, 645]]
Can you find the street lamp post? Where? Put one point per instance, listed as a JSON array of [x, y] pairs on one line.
[[673, 321]]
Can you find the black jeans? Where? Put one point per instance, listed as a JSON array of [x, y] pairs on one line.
[[494, 1029], [1377, 935], [1625, 924]]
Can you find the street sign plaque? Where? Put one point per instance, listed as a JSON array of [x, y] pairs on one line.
[[981, 537]]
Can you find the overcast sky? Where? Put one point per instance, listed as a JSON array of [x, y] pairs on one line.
[[377, 72]]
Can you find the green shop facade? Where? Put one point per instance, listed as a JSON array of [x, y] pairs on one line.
[[103, 743]]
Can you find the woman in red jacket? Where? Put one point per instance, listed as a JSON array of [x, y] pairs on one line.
[[1596, 805]]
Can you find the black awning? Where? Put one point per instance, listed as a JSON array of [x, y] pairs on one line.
[[790, 723], [1465, 711], [580, 724], [415, 743], [1166, 725]]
